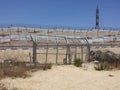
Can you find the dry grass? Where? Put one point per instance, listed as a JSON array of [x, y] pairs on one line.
[[21, 69], [14, 71], [2, 87], [20, 59], [25, 55]]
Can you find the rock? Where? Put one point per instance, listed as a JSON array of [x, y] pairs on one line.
[[105, 56]]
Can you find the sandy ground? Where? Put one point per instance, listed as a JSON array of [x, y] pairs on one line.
[[66, 32], [25, 55], [67, 77], [64, 77]]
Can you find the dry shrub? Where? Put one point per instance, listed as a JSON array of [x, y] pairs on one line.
[[16, 70], [1, 71], [100, 67], [21, 69], [45, 66], [3, 87], [104, 66], [1, 74]]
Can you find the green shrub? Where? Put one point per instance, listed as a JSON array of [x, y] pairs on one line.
[[100, 67], [78, 62], [47, 66]]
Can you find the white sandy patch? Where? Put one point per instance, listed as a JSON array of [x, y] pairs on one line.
[[67, 78]]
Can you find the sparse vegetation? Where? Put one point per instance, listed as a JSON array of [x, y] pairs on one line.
[[14, 71], [46, 66], [104, 66], [49, 66], [20, 69], [78, 62], [3, 87], [100, 67], [108, 60]]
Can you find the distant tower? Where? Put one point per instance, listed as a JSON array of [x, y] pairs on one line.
[[97, 18]]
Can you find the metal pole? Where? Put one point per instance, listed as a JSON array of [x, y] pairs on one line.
[[57, 55], [75, 52], [68, 50], [82, 53], [47, 53], [34, 52]]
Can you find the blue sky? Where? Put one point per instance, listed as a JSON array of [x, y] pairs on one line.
[[73, 13]]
